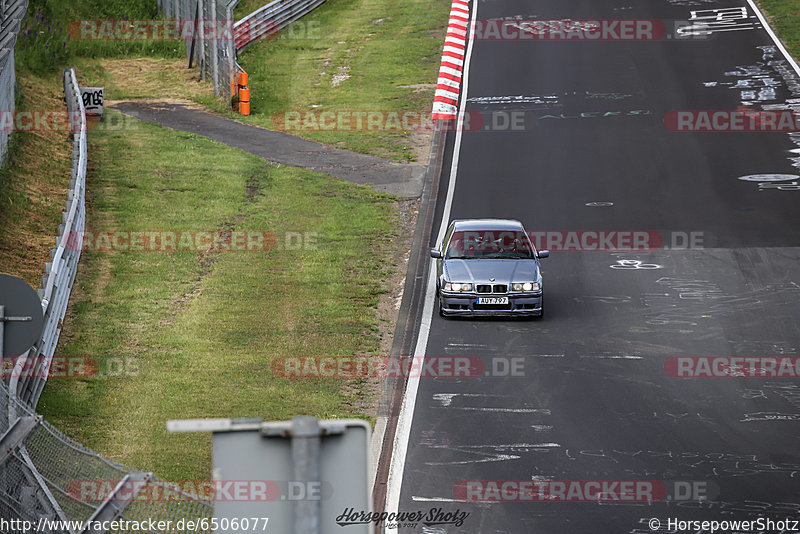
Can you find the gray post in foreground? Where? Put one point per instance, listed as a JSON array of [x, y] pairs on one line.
[[322, 470], [306, 434]]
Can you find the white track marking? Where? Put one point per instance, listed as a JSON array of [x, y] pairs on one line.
[[540, 411], [403, 431], [489, 458], [416, 498]]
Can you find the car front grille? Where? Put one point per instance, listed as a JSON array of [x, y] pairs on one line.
[[500, 307], [487, 288]]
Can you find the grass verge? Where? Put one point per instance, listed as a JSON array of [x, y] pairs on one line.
[[347, 55], [784, 17], [351, 55], [33, 184], [194, 334]]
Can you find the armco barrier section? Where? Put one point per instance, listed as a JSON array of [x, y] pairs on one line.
[[60, 271], [11, 15], [216, 54], [268, 20], [264, 23], [41, 469]]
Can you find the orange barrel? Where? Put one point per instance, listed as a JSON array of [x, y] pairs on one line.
[[242, 78], [244, 101]]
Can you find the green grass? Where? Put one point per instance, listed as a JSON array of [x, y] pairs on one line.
[[202, 330], [33, 184], [784, 17], [386, 47], [50, 36]]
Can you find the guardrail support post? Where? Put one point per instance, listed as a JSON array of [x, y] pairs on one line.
[[16, 434], [112, 506]]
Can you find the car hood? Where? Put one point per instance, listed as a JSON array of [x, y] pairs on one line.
[[503, 271]]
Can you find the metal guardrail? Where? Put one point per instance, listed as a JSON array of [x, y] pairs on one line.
[[217, 55], [41, 469], [60, 272], [262, 24], [40, 466], [11, 15], [270, 19]]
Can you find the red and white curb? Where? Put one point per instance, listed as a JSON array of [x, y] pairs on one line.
[[445, 101]]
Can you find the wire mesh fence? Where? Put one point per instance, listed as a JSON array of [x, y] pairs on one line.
[[209, 39], [44, 474], [215, 39], [11, 15], [50, 476]]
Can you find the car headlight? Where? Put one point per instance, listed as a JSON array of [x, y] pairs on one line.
[[457, 286], [526, 286]]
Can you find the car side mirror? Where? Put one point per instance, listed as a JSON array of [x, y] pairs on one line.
[[544, 254], [436, 253]]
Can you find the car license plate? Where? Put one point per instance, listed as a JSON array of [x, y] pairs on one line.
[[491, 300]]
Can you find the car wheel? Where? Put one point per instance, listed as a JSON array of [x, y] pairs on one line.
[[441, 312]]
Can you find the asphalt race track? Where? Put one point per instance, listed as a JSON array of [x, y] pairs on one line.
[[593, 399]]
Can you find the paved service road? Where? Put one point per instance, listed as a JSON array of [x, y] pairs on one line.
[[594, 401]]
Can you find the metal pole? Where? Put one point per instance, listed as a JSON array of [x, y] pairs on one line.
[[215, 49], [2, 332], [194, 33], [305, 455]]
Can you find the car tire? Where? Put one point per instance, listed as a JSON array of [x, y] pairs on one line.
[[439, 300]]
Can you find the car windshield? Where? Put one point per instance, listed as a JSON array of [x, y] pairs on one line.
[[489, 244]]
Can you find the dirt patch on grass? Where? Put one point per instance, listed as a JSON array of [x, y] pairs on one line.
[[160, 78], [421, 144], [420, 87]]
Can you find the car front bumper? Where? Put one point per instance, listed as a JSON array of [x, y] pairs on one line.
[[518, 305]]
